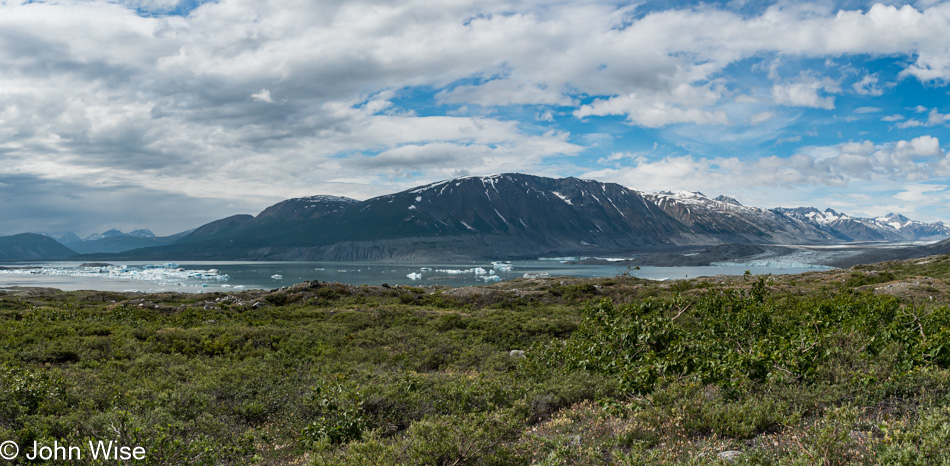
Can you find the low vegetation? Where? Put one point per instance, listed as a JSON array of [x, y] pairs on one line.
[[836, 367]]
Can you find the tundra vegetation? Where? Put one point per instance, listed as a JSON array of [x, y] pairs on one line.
[[837, 367]]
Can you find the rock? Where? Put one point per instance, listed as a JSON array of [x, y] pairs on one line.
[[730, 455], [516, 353]]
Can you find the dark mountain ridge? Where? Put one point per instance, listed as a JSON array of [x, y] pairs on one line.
[[513, 216], [32, 246]]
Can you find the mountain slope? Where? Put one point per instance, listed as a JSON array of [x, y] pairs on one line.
[[728, 220], [515, 216], [503, 216], [114, 241], [892, 227], [32, 246]]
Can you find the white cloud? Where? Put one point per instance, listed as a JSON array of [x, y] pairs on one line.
[[684, 104], [868, 86], [262, 96], [761, 117], [921, 194], [806, 91], [96, 93], [836, 166], [934, 118]]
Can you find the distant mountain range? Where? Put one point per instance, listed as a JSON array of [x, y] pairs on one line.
[[509, 216], [115, 240]]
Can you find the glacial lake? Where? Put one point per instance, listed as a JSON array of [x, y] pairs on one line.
[[198, 277]]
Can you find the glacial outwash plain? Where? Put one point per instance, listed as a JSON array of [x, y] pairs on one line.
[[844, 366]]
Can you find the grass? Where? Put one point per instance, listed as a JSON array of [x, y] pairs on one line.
[[837, 367]]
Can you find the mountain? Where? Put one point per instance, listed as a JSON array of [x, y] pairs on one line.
[[729, 221], [31, 247], [208, 231], [515, 216], [113, 233], [114, 241], [65, 238], [891, 227], [510, 216]]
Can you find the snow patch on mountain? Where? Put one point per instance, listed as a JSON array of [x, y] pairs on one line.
[[326, 198], [563, 197]]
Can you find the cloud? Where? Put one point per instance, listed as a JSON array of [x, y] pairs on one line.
[[868, 86], [806, 91], [835, 166], [922, 194], [683, 105], [262, 96], [761, 117], [934, 118], [100, 95], [34, 204]]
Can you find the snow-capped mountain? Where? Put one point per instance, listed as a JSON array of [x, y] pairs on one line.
[[505, 216], [892, 227], [727, 219], [114, 240], [512, 216], [801, 225]]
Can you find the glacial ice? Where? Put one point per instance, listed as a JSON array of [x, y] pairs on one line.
[[502, 266], [414, 276], [478, 271], [169, 274]]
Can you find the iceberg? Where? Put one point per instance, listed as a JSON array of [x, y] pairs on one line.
[[169, 274], [414, 276], [490, 279], [502, 266]]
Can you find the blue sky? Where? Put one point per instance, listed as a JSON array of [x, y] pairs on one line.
[[166, 114]]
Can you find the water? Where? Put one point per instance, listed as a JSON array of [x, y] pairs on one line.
[[197, 277]]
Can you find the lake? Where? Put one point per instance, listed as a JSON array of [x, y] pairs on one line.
[[198, 277]]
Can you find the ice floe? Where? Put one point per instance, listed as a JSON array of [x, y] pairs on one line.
[[502, 266], [169, 274]]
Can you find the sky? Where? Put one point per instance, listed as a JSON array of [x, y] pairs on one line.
[[168, 114]]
